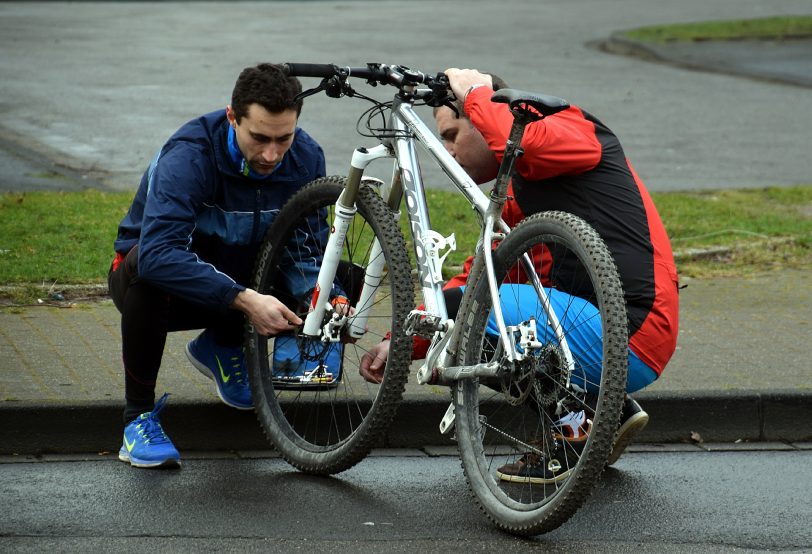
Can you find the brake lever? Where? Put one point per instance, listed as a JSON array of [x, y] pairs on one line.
[[310, 92], [449, 103], [442, 95], [334, 87], [442, 98]]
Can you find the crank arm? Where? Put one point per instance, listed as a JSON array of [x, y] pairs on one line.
[[449, 375]]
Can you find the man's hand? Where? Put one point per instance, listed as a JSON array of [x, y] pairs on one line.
[[265, 312], [374, 362], [461, 81]]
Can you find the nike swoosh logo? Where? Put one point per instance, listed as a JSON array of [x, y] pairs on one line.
[[223, 376], [128, 444]]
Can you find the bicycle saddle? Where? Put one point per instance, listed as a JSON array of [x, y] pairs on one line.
[[546, 105]]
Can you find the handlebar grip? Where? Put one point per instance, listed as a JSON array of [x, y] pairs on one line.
[[310, 69]]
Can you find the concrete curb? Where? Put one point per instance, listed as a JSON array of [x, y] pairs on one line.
[[30, 428], [617, 43]]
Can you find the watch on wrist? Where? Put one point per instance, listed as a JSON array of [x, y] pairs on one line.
[[472, 87]]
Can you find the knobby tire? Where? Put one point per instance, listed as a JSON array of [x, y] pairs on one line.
[[326, 431], [523, 409]]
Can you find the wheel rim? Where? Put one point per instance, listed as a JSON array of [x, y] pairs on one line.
[[325, 428], [500, 423]]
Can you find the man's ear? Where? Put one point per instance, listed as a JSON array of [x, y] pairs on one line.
[[231, 117]]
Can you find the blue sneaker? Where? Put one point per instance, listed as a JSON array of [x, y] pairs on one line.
[[225, 366], [146, 443]]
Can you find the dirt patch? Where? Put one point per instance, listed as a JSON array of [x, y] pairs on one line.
[[64, 296]]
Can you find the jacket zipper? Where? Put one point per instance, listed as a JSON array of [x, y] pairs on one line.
[[257, 205]]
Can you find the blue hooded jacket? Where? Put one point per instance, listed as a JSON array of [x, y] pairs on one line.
[[198, 222]]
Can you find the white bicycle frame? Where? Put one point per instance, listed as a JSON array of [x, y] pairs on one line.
[[407, 128]]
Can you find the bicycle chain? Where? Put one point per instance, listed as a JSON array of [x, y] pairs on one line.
[[521, 443]]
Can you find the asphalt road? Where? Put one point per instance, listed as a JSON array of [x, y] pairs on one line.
[[651, 502], [99, 86]]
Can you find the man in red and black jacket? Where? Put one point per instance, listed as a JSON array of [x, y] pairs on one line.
[[572, 162]]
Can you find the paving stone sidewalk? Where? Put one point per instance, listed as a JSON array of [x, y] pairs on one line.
[[741, 372]]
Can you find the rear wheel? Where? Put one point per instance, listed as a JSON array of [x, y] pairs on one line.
[[319, 426], [534, 441]]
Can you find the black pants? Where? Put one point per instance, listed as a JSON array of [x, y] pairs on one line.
[[148, 314]]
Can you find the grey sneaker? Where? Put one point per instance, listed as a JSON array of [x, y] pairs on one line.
[[570, 437], [632, 420], [537, 469]]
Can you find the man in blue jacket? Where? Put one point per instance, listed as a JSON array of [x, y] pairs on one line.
[[186, 248]]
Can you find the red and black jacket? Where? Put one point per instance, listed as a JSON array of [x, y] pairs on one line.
[[574, 163]]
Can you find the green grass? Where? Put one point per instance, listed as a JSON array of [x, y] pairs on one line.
[[63, 238], [51, 238], [752, 230], [778, 28], [729, 232]]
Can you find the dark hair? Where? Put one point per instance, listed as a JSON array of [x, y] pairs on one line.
[[267, 85], [498, 82]]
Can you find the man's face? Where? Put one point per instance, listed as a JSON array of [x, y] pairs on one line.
[[467, 145], [264, 137]]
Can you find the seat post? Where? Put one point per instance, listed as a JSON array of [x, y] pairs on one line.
[[513, 151]]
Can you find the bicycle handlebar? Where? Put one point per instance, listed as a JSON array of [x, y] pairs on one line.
[[394, 75], [440, 94], [310, 69]]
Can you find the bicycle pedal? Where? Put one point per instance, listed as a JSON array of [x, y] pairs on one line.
[[423, 324]]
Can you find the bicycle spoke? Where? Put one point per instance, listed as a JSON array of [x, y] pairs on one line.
[[525, 435], [328, 428]]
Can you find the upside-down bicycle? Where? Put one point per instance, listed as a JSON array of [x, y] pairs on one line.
[[512, 374]]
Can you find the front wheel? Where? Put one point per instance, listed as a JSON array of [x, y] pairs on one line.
[[310, 400], [535, 440]]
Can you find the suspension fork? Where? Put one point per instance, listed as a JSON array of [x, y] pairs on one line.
[[344, 213], [373, 274]]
